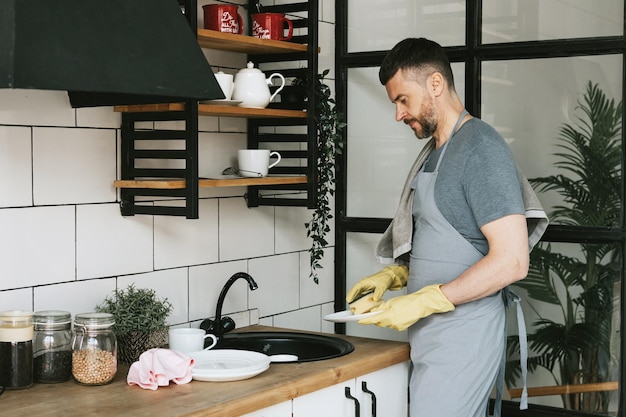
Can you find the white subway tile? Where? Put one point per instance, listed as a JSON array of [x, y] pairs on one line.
[[73, 165], [75, 297], [304, 319], [171, 284], [326, 40], [290, 229], [98, 117], [21, 299], [245, 232], [37, 246], [36, 108], [16, 180], [323, 292], [109, 244], [328, 326], [277, 277], [179, 241], [217, 151], [205, 284]]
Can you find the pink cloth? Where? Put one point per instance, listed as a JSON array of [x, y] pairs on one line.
[[157, 367]]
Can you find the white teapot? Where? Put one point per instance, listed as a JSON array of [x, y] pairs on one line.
[[252, 88]]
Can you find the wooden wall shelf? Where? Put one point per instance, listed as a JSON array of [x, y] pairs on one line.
[[171, 184], [214, 110], [246, 44]]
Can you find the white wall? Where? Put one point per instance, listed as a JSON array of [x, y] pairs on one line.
[[64, 244]]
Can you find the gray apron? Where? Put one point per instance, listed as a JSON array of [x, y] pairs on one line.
[[459, 352]]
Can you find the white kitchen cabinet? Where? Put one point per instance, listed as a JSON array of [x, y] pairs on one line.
[[279, 410], [389, 386]]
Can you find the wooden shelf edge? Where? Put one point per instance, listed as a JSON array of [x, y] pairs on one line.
[[214, 110], [165, 184], [565, 389], [241, 43]]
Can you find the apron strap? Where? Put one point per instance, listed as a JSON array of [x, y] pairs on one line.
[[510, 297]]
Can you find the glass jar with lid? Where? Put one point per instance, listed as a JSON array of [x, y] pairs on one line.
[[52, 346], [16, 349], [94, 349]]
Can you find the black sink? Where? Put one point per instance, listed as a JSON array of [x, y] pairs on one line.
[[307, 347]]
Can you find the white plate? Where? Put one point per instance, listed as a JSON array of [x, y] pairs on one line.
[[222, 102], [220, 362], [231, 376], [346, 316]]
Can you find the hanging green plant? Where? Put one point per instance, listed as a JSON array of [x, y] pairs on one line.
[[329, 123]]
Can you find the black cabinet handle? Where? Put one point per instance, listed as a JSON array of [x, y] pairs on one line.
[[364, 388], [357, 406]]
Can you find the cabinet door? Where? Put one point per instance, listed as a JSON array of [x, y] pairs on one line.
[[329, 401], [279, 410], [388, 390]]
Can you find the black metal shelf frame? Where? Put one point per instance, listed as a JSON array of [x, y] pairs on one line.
[[298, 150]]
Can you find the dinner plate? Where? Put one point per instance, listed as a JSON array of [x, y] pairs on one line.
[[220, 362], [347, 316], [222, 102], [233, 375]]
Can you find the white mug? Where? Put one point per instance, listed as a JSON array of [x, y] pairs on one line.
[[226, 83], [255, 162], [189, 340]]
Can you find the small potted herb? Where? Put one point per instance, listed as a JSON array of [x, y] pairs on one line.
[[139, 320]]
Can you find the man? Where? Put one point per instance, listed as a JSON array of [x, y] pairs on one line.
[[461, 221]]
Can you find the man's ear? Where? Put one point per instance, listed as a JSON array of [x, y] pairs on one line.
[[436, 83]]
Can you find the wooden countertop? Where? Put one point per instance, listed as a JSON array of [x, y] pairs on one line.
[[281, 382]]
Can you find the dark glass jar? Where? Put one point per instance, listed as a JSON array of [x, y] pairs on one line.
[[52, 346], [94, 349], [16, 349]]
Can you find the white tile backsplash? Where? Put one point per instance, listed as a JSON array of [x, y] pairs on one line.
[[245, 232], [205, 284], [16, 180], [36, 108], [279, 284], [73, 165], [37, 246], [109, 244], [21, 299], [75, 297], [180, 242], [66, 246], [170, 283]]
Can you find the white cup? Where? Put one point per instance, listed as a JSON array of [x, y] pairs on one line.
[[226, 83], [189, 340], [256, 162]]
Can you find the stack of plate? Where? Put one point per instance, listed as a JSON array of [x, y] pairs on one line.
[[228, 365]]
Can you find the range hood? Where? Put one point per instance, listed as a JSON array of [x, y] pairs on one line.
[[104, 52]]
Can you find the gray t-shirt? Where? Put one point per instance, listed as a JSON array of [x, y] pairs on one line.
[[477, 181]]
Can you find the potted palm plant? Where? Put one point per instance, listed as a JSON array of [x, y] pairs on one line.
[[139, 320], [575, 346]]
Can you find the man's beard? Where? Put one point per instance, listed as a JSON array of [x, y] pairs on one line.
[[427, 120]]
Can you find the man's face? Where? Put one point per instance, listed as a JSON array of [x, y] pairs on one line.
[[414, 105]]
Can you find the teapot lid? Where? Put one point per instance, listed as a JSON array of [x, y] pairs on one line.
[[250, 69]]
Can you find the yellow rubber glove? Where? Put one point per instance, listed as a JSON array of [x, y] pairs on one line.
[[391, 278], [401, 312]]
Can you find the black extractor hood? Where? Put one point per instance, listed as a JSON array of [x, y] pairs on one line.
[[104, 52]]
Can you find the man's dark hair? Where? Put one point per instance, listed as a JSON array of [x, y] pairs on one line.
[[416, 54]]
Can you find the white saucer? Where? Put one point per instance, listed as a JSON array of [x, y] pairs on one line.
[[347, 316], [231, 376], [222, 102]]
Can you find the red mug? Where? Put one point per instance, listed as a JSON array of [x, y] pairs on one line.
[[222, 18], [271, 26]]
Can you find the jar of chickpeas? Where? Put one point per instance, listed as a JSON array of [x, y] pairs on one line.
[[94, 349]]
